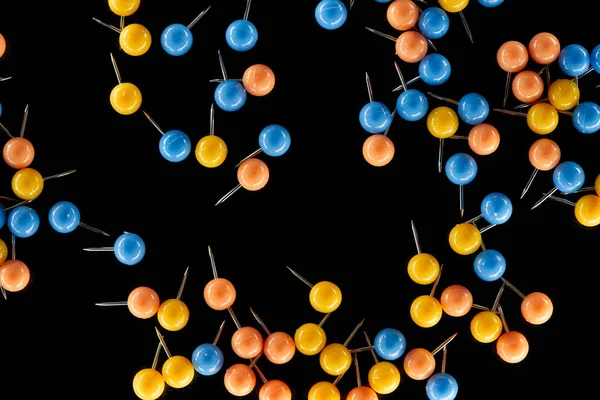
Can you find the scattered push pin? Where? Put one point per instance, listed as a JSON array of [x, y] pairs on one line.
[[442, 123], [496, 209], [23, 221], [419, 363], [18, 152], [125, 98], [378, 150], [143, 302], [512, 346], [325, 390], [274, 140], [527, 86], [542, 117], [490, 3], [173, 314], [568, 177], [28, 183], [457, 6], [489, 265], [174, 145], [433, 23], [544, 49], [14, 274], [384, 377], [402, 15], [325, 297], [278, 347], [563, 94], [219, 293], [242, 35], [461, 169], [360, 392], [411, 46], [148, 383], [412, 104], [512, 57], [332, 14], [486, 326], [536, 307], [375, 117], [134, 39], [574, 61], [208, 358], [258, 80], [457, 301], [483, 139], [178, 372], [273, 389], [176, 39], [252, 175], [310, 338], [129, 248], [465, 238], [230, 94], [2, 45], [586, 117], [240, 380], [587, 209], [442, 386], [124, 8], [434, 69], [335, 358], [211, 150], [473, 108], [544, 154], [64, 217], [426, 310], [389, 344], [423, 268]]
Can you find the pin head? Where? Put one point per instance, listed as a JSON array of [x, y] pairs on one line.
[[126, 98], [219, 294], [324, 391], [441, 386], [544, 154], [239, 380], [279, 347], [489, 265], [362, 393], [595, 58], [135, 39], [537, 308], [375, 117], [597, 185], [496, 208], [423, 268], [274, 140], [129, 248], [402, 15], [542, 118], [512, 56], [64, 217], [23, 221], [253, 174], [568, 177], [173, 315], [176, 39], [27, 184], [18, 153], [465, 239], [434, 69], [512, 347], [454, 6], [384, 377], [461, 168], [207, 359], [2, 45], [241, 35], [3, 251], [486, 327], [178, 372], [574, 60], [411, 46], [148, 384], [490, 3], [247, 342], [335, 359], [275, 390], [378, 150], [310, 339], [389, 344], [258, 80], [456, 300], [434, 23], [230, 95], [426, 311], [527, 86], [14, 275], [124, 8], [442, 122], [419, 364], [586, 117], [211, 151], [175, 146], [544, 48], [473, 108], [2, 216], [412, 105], [331, 14], [143, 302], [325, 297], [483, 139], [563, 94]]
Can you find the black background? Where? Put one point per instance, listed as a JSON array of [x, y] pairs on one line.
[[325, 212]]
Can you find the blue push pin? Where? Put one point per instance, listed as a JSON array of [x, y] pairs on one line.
[[332, 14], [64, 217], [433, 23], [389, 344], [496, 209], [207, 358], [174, 145], [442, 386], [242, 35], [568, 177], [412, 104], [129, 248], [473, 108], [23, 221], [274, 140], [490, 3], [489, 265], [434, 70], [3, 210], [177, 39], [230, 94], [586, 117], [461, 169], [574, 60], [595, 59], [375, 117]]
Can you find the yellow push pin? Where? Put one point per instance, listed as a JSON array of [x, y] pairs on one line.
[[125, 98], [211, 150], [28, 183], [177, 371], [335, 358], [426, 310], [486, 326], [310, 338], [173, 314], [134, 39], [148, 383], [325, 297], [124, 8], [384, 377], [423, 268]]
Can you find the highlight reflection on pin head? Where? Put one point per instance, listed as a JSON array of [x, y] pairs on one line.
[[239, 380], [435, 69], [14, 275], [129, 248], [402, 15], [241, 35], [23, 222], [331, 14], [18, 153], [219, 294], [542, 118], [126, 98], [124, 8], [173, 315], [176, 39], [484, 139], [465, 239], [378, 150], [586, 117], [135, 39]]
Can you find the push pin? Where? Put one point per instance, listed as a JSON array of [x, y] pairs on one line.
[[489, 265], [2, 46], [274, 140], [544, 155], [174, 145], [536, 307], [419, 363], [568, 177], [490, 3], [423, 268], [148, 383], [473, 108], [129, 248], [273, 389], [442, 123], [486, 326], [457, 301], [142, 302], [177, 39], [496, 209], [23, 221], [361, 391], [18, 152], [14, 274], [241, 35], [384, 377], [240, 379], [411, 46], [325, 390], [564, 94], [64, 217], [252, 175], [542, 118], [178, 372], [125, 98], [544, 49], [258, 80], [434, 69], [28, 183], [483, 139], [457, 6], [512, 346], [587, 209], [325, 297], [512, 57], [442, 386], [465, 238], [124, 8], [134, 39], [310, 338], [173, 314], [389, 344], [378, 150], [433, 23], [278, 347], [412, 104], [426, 310], [208, 358], [211, 150], [586, 117], [332, 14], [230, 94], [527, 87], [335, 358], [461, 169], [574, 60], [375, 117]]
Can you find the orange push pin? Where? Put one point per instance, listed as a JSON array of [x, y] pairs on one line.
[[544, 49], [240, 379], [378, 149], [483, 139], [273, 389], [419, 363], [142, 302], [278, 347], [536, 307], [14, 274], [544, 155], [178, 372], [2, 49], [325, 297], [148, 383], [219, 293], [512, 346], [528, 86], [252, 175], [125, 98], [402, 15], [18, 152], [512, 57], [258, 80], [360, 392], [457, 301], [174, 314], [423, 268], [411, 46]]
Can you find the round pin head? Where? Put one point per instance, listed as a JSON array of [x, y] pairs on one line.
[[176, 39], [586, 117], [378, 150], [129, 248], [239, 380], [23, 221], [544, 154], [512, 347], [279, 348], [537, 308], [219, 294], [211, 151], [258, 80], [241, 35], [247, 342], [178, 372], [275, 390], [125, 98], [135, 39], [461, 169], [331, 14], [542, 118], [148, 384], [442, 122], [310, 339], [434, 69], [143, 302], [456, 300], [3, 251], [473, 108], [595, 58], [2, 45], [465, 239], [124, 8], [568, 177], [253, 174], [411, 46], [207, 359], [426, 311], [324, 391], [486, 327], [64, 217], [389, 344], [173, 315], [27, 184], [441, 386], [375, 117], [419, 364], [544, 48], [175, 146], [527, 86], [434, 23], [454, 6], [563, 94], [490, 3], [412, 105], [574, 60], [14, 275], [496, 208], [230, 95], [335, 359], [512, 56], [274, 140], [384, 377], [402, 15], [423, 268], [483, 139], [489, 265], [18, 153], [362, 393], [325, 297]]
